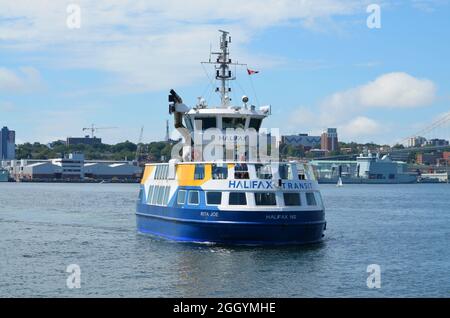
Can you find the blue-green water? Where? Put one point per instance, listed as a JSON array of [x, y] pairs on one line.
[[45, 227]]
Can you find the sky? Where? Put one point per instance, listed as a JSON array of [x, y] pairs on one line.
[[111, 63]]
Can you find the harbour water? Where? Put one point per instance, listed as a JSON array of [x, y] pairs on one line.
[[46, 227]]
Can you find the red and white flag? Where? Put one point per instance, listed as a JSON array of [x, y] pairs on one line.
[[251, 72]]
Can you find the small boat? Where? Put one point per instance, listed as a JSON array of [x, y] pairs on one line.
[[339, 183]]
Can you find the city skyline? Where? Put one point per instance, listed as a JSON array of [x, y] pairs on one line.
[[319, 65]]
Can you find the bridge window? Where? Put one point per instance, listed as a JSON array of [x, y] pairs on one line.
[[310, 198], [237, 198], [255, 123], [193, 197], [233, 122], [263, 171], [265, 198], [291, 199], [181, 197], [205, 122], [213, 198], [219, 171], [188, 123], [199, 173], [241, 171]]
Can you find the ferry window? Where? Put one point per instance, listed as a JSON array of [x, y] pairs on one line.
[[213, 198], [206, 122], [237, 198], [155, 195], [310, 199], [160, 195], [219, 171], [291, 199], [199, 173], [150, 193], [166, 196], [181, 197], [241, 171], [263, 171], [265, 198], [255, 123], [188, 123], [193, 197], [285, 172], [230, 122]]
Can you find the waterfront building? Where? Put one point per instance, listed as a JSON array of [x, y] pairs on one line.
[[416, 141], [7, 144], [308, 142], [437, 142], [72, 167], [428, 158], [86, 140], [329, 140]]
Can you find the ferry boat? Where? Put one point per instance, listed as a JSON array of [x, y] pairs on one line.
[[229, 201]]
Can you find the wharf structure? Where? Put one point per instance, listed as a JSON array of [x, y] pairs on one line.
[[72, 168]]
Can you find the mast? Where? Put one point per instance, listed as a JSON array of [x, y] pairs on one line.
[[223, 72]]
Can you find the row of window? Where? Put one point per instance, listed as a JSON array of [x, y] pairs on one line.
[[240, 198], [162, 172], [263, 171], [158, 195], [227, 122]]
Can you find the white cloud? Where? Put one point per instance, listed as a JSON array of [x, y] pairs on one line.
[[360, 126], [149, 45], [391, 90], [25, 79]]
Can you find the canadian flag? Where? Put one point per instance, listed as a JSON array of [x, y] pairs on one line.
[[251, 72]]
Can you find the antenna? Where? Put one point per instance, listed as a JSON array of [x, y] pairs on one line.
[[223, 72]]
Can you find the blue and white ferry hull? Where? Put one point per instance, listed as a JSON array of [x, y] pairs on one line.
[[231, 227]]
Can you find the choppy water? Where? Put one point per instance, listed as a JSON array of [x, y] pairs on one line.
[[45, 227]]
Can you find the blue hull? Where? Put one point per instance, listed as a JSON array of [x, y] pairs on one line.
[[231, 227]]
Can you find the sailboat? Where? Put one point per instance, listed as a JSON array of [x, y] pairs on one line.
[[339, 183]]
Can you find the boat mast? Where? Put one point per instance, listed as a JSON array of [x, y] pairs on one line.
[[223, 72]]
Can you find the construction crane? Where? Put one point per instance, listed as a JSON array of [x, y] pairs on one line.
[[93, 129]]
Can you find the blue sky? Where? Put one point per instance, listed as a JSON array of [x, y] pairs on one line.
[[320, 65]]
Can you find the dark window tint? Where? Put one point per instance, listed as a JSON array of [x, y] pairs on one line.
[[265, 198], [237, 198], [193, 197], [241, 171], [255, 123], [219, 171], [233, 123], [310, 199], [199, 173], [206, 122], [181, 198], [291, 199], [213, 197]]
